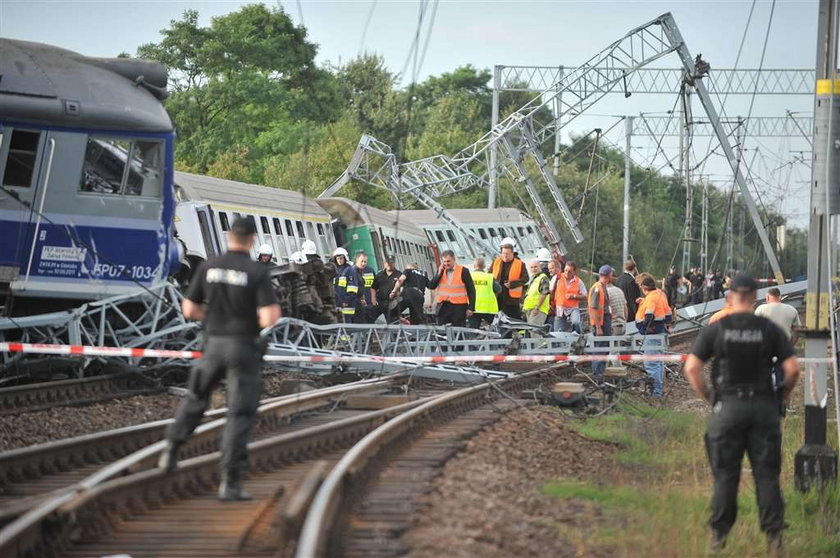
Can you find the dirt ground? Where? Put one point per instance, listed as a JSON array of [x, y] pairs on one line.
[[487, 501]]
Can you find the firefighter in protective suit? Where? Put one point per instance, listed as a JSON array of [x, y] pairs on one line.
[[346, 285]]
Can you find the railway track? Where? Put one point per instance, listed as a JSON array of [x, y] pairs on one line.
[[150, 513], [30, 475], [45, 395]]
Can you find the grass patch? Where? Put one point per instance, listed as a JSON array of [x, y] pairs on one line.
[[655, 500]]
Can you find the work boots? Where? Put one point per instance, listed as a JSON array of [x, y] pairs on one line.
[[169, 457], [775, 547], [230, 490]]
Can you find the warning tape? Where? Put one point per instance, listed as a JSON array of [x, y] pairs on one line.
[[84, 350]]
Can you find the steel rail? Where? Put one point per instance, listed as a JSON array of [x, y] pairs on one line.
[[31, 397], [35, 460], [323, 515]]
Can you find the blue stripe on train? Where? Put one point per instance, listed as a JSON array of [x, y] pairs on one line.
[[83, 252]]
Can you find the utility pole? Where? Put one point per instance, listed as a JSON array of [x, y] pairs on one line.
[[685, 166], [704, 227], [492, 175], [730, 219], [815, 462], [558, 124], [625, 244]]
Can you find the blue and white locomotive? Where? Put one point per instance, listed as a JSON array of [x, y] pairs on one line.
[[86, 174]]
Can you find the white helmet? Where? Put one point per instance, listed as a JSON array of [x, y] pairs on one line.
[[308, 248], [340, 252], [298, 257], [544, 255], [507, 241], [266, 250]]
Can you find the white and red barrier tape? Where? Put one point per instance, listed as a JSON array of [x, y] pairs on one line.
[[84, 350]]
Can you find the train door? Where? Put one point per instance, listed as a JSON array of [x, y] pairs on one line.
[[378, 251], [22, 156]]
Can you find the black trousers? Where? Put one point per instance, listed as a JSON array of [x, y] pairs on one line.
[[752, 425], [238, 359], [474, 321], [413, 299], [455, 314], [513, 310]]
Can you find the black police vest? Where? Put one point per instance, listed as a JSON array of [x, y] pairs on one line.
[[744, 357]]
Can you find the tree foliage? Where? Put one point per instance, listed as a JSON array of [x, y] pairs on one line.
[[251, 104]]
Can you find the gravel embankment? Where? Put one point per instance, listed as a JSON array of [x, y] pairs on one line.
[[487, 501], [64, 422]]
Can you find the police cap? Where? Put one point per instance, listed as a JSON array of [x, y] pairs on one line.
[[743, 283], [390, 258], [243, 227]]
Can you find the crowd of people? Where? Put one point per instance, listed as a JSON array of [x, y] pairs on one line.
[[694, 287]]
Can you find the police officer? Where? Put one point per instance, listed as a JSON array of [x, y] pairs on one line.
[[233, 298], [413, 281], [745, 410], [486, 291], [346, 283]]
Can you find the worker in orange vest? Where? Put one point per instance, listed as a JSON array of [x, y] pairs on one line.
[[651, 319], [511, 274], [569, 292], [600, 313], [455, 291]]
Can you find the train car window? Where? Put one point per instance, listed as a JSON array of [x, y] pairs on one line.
[[104, 165], [223, 219], [299, 226], [492, 231], [322, 237], [278, 230], [289, 231], [450, 235], [482, 233], [20, 162], [521, 231], [529, 229], [264, 224], [439, 236], [144, 173], [253, 221]]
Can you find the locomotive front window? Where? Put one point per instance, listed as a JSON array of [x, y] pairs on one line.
[[20, 163], [106, 170]]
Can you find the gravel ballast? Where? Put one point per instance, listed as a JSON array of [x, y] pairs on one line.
[[487, 501]]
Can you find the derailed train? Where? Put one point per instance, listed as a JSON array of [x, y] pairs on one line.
[[91, 207], [86, 160]]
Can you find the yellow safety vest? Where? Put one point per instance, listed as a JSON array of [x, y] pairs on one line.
[[533, 296], [485, 298]]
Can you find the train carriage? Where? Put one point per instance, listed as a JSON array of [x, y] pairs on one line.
[[379, 233], [207, 206], [86, 162], [491, 225]]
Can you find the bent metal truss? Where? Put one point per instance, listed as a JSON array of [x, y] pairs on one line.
[[519, 136]]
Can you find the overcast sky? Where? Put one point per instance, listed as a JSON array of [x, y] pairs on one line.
[[484, 33]]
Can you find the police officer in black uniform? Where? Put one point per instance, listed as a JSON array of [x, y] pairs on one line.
[[232, 296], [745, 410], [414, 282]]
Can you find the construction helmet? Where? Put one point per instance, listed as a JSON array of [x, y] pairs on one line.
[[298, 257], [340, 252], [266, 250], [544, 255], [507, 241], [308, 248]]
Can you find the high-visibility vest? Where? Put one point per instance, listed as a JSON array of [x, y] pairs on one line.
[[720, 314], [662, 305], [533, 295], [596, 315], [452, 288], [514, 274], [651, 304], [485, 297], [563, 287]]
